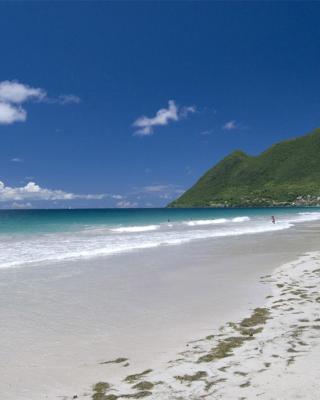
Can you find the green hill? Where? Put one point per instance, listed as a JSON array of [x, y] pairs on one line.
[[288, 173]]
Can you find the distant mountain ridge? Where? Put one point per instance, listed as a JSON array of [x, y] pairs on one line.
[[286, 174]]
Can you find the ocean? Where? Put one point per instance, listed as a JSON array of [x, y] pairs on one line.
[[33, 237]]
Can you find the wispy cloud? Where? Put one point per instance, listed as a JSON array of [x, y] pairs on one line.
[[163, 116], [68, 99], [156, 188], [16, 160], [32, 191], [63, 99], [230, 125], [186, 110], [161, 188], [162, 191], [13, 94], [21, 206], [207, 132], [155, 194], [126, 204]]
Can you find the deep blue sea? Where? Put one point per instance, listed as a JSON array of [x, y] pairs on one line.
[[29, 237]]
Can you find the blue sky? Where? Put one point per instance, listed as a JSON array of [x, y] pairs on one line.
[[83, 83]]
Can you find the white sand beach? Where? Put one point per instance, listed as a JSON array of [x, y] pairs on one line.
[[166, 311]]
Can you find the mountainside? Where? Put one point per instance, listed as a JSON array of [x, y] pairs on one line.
[[288, 173]]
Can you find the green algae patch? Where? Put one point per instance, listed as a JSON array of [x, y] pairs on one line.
[[100, 390], [101, 396], [191, 378], [223, 349], [250, 331], [135, 377], [118, 360], [240, 373], [101, 387], [144, 385], [247, 328], [258, 317], [246, 384], [138, 395], [209, 385]]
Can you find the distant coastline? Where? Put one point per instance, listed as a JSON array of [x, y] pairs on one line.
[[286, 175], [300, 202]]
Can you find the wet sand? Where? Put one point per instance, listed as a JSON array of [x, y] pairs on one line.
[[61, 322]]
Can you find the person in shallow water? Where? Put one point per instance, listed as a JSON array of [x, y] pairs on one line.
[[273, 220]]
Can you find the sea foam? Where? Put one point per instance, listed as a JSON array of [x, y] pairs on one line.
[[202, 222], [135, 229], [101, 241], [240, 219]]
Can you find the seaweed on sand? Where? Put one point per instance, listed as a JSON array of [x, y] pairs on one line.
[[116, 361], [258, 317], [144, 385], [135, 377], [138, 395], [248, 327], [191, 378], [223, 349], [100, 390]]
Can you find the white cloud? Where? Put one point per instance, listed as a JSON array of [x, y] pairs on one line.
[[32, 191], [10, 113], [17, 159], [13, 94], [229, 126], [146, 125]]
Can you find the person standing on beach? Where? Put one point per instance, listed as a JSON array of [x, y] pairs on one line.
[[273, 219]]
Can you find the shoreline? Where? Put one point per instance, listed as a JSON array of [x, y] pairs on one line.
[[264, 355], [167, 299]]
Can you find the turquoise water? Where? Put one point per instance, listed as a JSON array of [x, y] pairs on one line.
[[38, 237], [41, 221]]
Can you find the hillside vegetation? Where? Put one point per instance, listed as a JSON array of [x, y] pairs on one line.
[[288, 173]]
